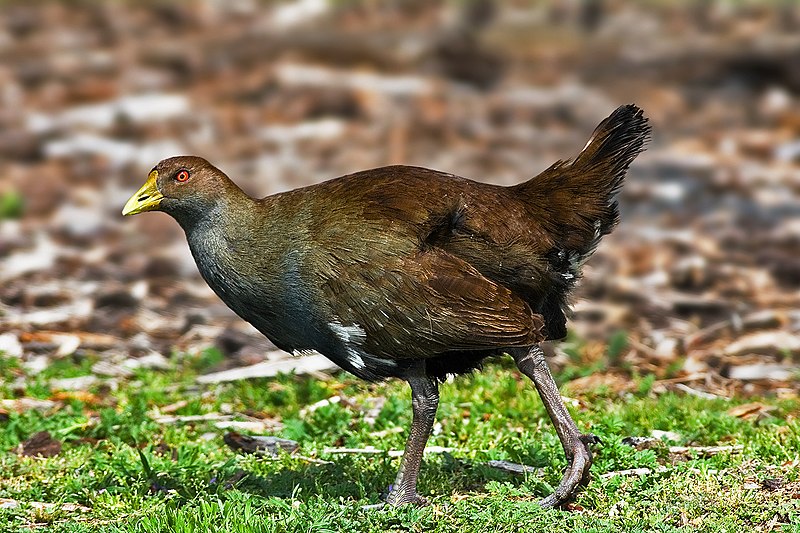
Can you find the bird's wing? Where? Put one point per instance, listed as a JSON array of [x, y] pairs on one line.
[[427, 303]]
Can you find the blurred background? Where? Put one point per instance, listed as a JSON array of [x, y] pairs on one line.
[[699, 285]]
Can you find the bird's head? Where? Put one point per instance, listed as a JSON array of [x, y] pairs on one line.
[[186, 187]]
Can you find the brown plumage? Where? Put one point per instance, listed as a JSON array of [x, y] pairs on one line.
[[408, 272]]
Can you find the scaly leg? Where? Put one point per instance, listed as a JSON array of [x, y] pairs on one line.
[[424, 401], [576, 445]]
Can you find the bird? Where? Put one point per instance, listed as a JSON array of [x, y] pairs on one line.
[[411, 273]]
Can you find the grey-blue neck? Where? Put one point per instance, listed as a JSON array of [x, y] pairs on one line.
[[216, 243]]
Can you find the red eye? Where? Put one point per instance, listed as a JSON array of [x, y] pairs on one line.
[[183, 175]]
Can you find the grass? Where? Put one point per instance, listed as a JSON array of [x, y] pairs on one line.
[[12, 204], [134, 474]]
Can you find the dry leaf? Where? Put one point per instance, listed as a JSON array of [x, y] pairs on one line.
[[41, 444], [751, 410]]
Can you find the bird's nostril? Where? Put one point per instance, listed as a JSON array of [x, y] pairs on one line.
[[143, 197]]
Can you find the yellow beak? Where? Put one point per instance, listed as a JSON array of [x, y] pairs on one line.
[[146, 199]]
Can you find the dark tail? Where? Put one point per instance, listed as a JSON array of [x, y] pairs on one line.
[[574, 203], [577, 197]]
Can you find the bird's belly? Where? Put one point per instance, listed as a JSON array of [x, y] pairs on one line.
[[263, 307], [303, 332], [282, 307], [288, 330]]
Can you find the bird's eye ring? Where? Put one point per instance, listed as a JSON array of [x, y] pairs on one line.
[[182, 176]]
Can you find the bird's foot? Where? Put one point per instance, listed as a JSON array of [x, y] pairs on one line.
[[394, 500], [398, 496], [590, 438], [414, 499], [577, 473]]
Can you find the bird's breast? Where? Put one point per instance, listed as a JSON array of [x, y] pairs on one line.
[[265, 289]]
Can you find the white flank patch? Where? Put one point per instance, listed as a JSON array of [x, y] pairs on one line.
[[355, 359], [354, 334], [576, 261], [351, 336]]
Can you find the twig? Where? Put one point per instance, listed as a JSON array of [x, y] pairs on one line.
[[706, 450], [644, 348], [312, 460], [514, 468], [697, 376], [208, 417], [363, 451], [385, 432], [369, 450], [700, 394], [632, 472], [8, 503], [298, 365], [256, 426]]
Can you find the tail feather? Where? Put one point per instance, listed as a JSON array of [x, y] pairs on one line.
[[577, 197], [574, 203]]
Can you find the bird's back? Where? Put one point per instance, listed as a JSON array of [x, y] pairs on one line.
[[380, 216]]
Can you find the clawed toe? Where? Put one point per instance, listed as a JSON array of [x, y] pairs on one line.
[[413, 499], [549, 502], [576, 475], [589, 439], [416, 500]]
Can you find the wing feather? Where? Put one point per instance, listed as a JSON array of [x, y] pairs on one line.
[[428, 303]]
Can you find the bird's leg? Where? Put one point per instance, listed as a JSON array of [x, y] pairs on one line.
[[424, 401], [576, 445]]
